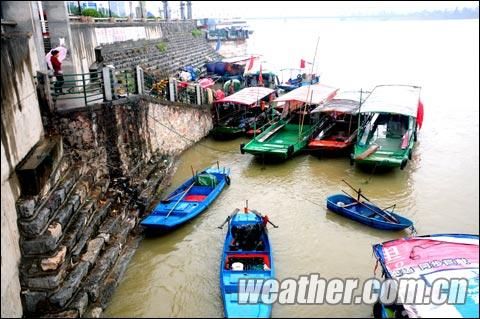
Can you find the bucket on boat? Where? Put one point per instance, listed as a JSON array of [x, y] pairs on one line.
[[237, 266], [340, 204]]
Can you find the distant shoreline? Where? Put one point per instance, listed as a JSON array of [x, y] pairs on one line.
[[368, 18]]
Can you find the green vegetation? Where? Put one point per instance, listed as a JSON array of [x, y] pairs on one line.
[[161, 46], [196, 33], [92, 13]]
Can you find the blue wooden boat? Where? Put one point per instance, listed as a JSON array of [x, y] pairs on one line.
[[188, 200], [367, 213], [246, 255]]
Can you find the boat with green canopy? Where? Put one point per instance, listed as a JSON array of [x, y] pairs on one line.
[[292, 131], [387, 127]]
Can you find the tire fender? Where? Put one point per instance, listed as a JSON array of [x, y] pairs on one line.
[[290, 150]]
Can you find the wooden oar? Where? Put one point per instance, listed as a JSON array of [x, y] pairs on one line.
[[372, 149], [178, 201], [376, 212], [359, 192], [260, 215], [229, 217], [166, 200]]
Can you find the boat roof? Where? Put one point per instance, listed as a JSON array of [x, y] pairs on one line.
[[247, 96], [313, 94], [397, 99], [343, 102], [429, 258]]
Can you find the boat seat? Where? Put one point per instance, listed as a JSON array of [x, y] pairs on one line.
[[200, 190], [269, 134], [194, 198]]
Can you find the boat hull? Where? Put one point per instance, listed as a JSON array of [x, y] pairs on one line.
[[365, 213], [279, 141], [186, 202], [388, 159], [252, 260]]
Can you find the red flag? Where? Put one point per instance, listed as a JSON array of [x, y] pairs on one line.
[[250, 63], [260, 77], [302, 64], [420, 114]]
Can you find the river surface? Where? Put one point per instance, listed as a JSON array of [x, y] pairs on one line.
[[177, 275]]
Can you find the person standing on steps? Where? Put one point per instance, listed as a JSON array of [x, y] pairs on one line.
[[57, 71]]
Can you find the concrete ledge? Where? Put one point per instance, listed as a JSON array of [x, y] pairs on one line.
[[36, 168]]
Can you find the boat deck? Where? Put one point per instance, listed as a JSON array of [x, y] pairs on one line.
[[388, 144]]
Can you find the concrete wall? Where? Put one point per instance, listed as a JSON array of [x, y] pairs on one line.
[[25, 14], [192, 123], [21, 130], [136, 129]]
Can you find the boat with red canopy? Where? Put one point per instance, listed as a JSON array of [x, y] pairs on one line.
[[244, 112], [338, 131], [291, 133]]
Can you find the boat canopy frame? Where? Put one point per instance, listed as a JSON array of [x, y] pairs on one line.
[[392, 98]]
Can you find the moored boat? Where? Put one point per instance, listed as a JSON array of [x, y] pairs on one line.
[[246, 254], [188, 200], [291, 133], [338, 134], [241, 112], [367, 212], [300, 79], [388, 125], [425, 261]]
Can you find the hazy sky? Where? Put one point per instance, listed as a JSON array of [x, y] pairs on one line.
[[251, 9]]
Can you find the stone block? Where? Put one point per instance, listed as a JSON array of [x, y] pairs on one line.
[[54, 262], [93, 249], [64, 214], [32, 299], [26, 207], [40, 245], [46, 282], [94, 282], [44, 243], [70, 285], [63, 314], [34, 227], [80, 303]]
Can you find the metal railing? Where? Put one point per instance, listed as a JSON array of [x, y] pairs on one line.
[[171, 89], [126, 83], [107, 84], [86, 86]]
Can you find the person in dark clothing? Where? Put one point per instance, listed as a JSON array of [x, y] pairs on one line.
[[57, 71]]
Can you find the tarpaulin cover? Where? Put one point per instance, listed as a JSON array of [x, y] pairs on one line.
[[430, 258], [313, 94], [248, 96], [344, 102]]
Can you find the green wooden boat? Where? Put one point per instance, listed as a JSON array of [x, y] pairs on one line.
[[291, 133], [388, 124]]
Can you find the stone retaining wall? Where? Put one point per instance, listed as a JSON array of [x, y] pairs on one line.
[[79, 233]]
